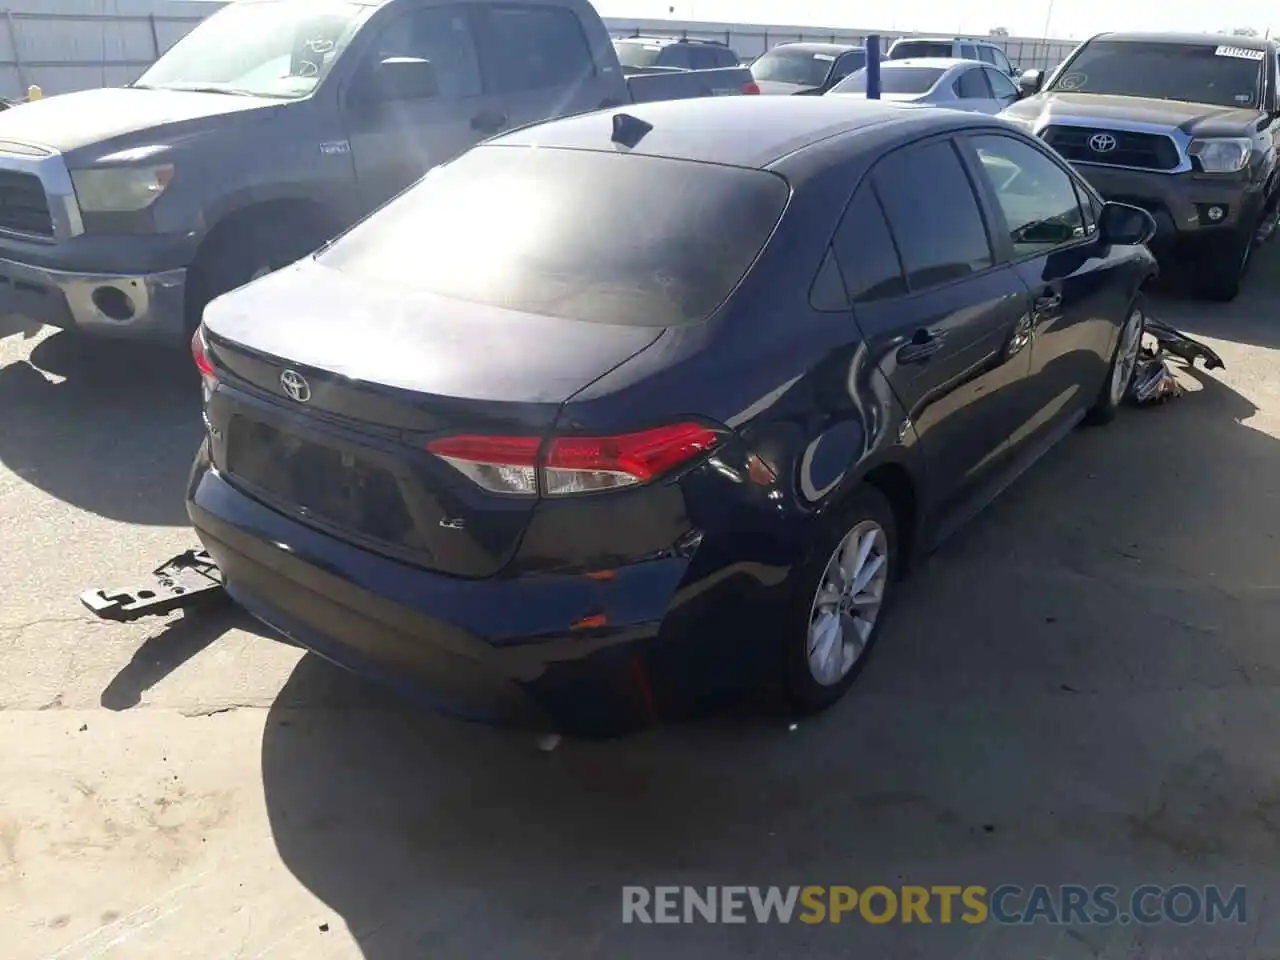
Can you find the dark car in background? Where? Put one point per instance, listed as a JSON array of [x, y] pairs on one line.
[[681, 53], [724, 371], [1183, 125], [790, 69]]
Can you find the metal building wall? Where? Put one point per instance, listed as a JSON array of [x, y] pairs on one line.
[[65, 45]]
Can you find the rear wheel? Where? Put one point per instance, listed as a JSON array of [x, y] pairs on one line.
[[1224, 265], [243, 251], [838, 600]]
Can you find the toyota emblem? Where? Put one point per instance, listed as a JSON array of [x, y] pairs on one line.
[[1102, 143], [295, 385]]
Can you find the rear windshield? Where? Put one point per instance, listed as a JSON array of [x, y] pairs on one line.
[[601, 237], [788, 65], [893, 80], [920, 48], [1220, 74], [632, 54]]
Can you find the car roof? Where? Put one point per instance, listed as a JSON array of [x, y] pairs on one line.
[[735, 131], [805, 46], [1191, 39]]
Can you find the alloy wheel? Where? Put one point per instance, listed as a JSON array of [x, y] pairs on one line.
[[847, 603]]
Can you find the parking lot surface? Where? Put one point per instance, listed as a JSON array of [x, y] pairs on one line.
[[1081, 688]]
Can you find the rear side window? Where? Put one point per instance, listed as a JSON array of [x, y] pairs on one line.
[[676, 55], [593, 236], [972, 85], [933, 214], [704, 58], [866, 253], [534, 48]]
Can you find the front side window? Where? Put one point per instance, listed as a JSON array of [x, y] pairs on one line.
[[933, 214], [1222, 74], [1037, 197], [598, 237], [271, 49], [442, 37], [534, 48]]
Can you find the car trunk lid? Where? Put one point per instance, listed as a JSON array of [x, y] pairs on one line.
[[333, 388]]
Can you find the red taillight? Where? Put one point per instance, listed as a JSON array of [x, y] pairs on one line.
[[200, 353], [569, 465], [751, 87]]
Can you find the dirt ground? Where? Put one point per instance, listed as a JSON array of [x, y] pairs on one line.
[[1079, 689]]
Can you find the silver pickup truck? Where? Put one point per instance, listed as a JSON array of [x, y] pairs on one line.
[[271, 127]]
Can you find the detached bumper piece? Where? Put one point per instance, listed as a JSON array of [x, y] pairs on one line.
[[189, 579], [1153, 382]]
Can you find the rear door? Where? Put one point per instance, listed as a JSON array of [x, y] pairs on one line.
[[394, 144], [973, 91], [537, 60], [945, 320], [1079, 290]]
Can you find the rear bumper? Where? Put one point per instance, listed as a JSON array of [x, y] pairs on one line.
[[495, 650], [1180, 203]]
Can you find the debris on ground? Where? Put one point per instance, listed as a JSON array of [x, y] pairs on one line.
[[1153, 380]]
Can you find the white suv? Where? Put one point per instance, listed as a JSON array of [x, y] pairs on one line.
[[958, 48]]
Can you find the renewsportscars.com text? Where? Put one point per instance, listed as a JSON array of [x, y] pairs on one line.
[[1006, 904]]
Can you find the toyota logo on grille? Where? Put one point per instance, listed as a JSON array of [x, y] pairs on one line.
[[1102, 143], [295, 385]]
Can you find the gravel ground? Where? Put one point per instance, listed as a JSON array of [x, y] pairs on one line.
[[1079, 689]]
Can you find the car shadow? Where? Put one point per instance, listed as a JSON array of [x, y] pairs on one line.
[[106, 426], [1077, 688], [1249, 319]]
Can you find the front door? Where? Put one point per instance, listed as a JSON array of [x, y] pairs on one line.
[[1075, 293], [393, 144], [537, 61], [949, 331]]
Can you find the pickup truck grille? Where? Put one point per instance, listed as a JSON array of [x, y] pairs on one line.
[[24, 208], [1148, 151]]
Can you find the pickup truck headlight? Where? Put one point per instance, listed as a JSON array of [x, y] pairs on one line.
[[120, 189], [1221, 154]]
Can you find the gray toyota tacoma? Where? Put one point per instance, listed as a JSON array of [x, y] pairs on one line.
[[1182, 125], [268, 129]]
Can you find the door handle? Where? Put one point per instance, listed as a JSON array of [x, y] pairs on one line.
[[488, 122], [1049, 301], [922, 346]]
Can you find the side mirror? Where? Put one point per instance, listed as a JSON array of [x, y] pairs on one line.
[[1124, 225], [1031, 82], [399, 79]]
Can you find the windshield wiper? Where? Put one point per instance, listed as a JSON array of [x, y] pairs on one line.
[[202, 88]]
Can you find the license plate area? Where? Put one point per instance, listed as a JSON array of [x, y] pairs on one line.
[[319, 482]]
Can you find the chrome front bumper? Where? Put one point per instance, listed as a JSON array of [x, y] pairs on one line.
[[145, 306]]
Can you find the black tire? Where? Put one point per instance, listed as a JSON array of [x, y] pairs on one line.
[[1223, 267], [1107, 405], [805, 696], [238, 251]]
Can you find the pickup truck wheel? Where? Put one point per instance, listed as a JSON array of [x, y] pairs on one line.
[[243, 252], [1225, 264]]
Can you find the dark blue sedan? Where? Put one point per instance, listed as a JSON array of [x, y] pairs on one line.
[[617, 412]]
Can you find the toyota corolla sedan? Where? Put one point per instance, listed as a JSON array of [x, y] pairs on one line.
[[615, 412], [938, 82]]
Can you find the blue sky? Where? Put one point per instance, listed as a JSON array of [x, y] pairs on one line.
[[1070, 18]]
